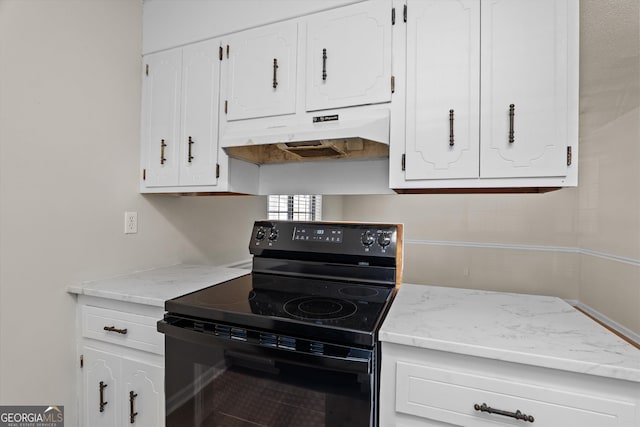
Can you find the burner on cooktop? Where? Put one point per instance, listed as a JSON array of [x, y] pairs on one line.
[[358, 291], [319, 308]]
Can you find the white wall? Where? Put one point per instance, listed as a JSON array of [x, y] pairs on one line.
[[609, 202], [69, 159]]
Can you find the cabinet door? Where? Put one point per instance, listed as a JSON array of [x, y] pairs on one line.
[[443, 66], [161, 117], [524, 64], [349, 56], [261, 72], [101, 377], [199, 135], [143, 389]]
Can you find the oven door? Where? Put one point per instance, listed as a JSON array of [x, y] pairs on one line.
[[218, 375]]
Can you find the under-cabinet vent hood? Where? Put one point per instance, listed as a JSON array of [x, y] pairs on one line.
[[313, 137]]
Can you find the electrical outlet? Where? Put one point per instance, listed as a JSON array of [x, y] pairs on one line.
[[130, 222]]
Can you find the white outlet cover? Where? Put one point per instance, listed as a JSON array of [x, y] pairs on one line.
[[130, 222]]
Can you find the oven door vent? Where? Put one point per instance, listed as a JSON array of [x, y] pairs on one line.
[[287, 343], [238, 334], [268, 340], [316, 347], [223, 331]]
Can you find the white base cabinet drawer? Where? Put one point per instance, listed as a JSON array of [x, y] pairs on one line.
[[450, 396], [422, 387], [122, 328]]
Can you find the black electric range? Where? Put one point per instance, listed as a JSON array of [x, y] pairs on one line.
[[304, 322], [332, 311]]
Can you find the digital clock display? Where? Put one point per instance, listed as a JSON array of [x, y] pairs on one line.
[[318, 234]]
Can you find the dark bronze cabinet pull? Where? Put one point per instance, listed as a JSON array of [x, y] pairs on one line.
[[102, 386], [114, 329], [162, 157], [189, 156], [324, 64], [517, 415], [132, 414], [275, 75], [451, 128], [512, 113]]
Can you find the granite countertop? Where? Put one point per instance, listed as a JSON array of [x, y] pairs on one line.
[[154, 287], [527, 329]]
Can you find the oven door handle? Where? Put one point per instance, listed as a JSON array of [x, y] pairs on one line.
[[358, 365], [251, 361]]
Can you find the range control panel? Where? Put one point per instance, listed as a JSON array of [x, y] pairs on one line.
[[325, 237]]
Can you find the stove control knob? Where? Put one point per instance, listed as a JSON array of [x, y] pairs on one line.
[[273, 234], [260, 234], [367, 239], [384, 239]]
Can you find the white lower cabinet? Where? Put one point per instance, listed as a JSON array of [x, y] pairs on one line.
[[421, 387], [122, 364]]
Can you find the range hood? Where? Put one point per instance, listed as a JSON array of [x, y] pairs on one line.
[[341, 135]]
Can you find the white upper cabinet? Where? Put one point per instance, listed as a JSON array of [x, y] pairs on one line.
[[199, 136], [524, 88], [491, 95], [180, 116], [349, 56], [161, 118], [443, 89], [259, 75]]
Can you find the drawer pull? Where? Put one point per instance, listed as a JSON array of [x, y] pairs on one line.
[[163, 145], [114, 329], [275, 73], [512, 114], [517, 415], [102, 386], [190, 156], [324, 65], [451, 140], [132, 413]]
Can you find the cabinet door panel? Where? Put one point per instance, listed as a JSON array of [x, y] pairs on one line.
[[443, 66], [250, 72], [101, 367], [524, 63], [200, 79], [357, 67], [161, 118], [147, 383]]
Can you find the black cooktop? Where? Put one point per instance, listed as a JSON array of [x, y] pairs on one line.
[[342, 312]]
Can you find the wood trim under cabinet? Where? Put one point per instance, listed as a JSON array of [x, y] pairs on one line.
[[489, 190]]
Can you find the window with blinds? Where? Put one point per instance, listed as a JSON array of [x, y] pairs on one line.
[[297, 208]]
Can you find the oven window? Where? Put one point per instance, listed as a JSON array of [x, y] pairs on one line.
[[235, 385]]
